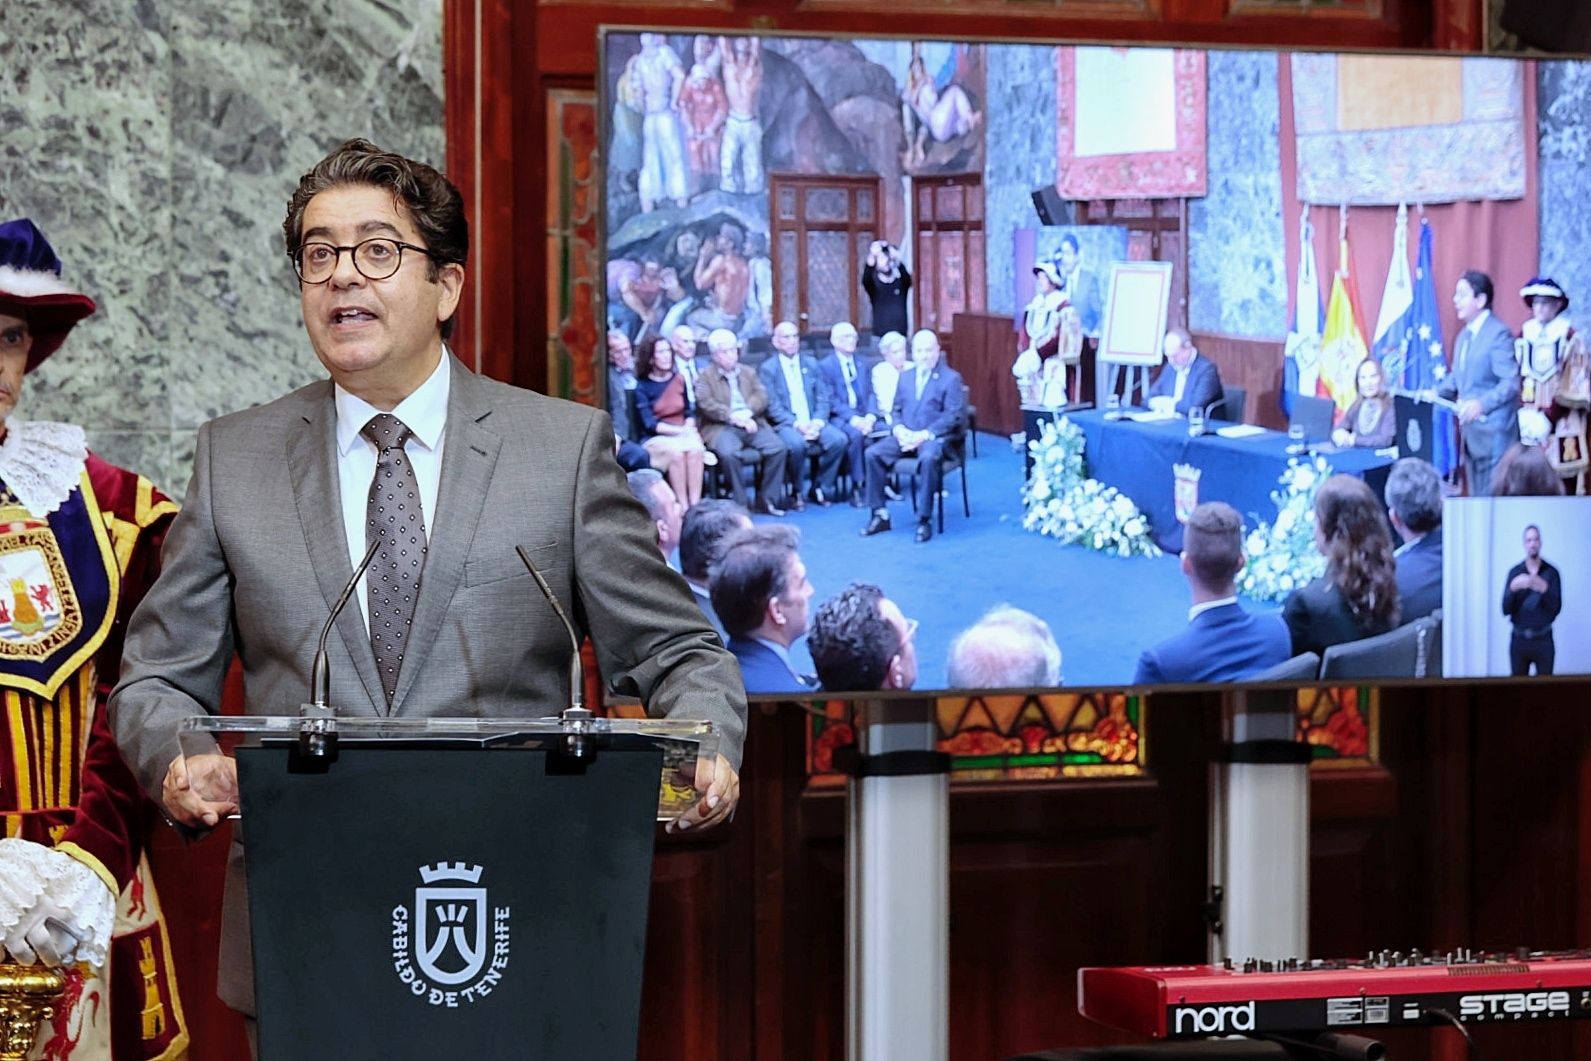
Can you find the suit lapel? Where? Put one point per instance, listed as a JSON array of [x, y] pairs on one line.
[[468, 460], [312, 462]]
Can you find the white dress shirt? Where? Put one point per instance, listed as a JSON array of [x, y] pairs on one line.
[[886, 378], [425, 414], [848, 374], [791, 367]]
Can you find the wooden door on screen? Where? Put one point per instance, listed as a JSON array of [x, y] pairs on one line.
[[822, 228], [947, 258]]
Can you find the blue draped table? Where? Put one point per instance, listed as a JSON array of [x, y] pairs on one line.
[[1137, 459]]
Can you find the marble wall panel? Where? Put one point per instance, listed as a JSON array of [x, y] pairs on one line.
[[156, 145], [1020, 156], [1236, 251], [1563, 107]]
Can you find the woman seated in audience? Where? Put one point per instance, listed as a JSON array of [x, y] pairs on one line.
[[669, 419], [1369, 421], [1358, 595], [1525, 471], [886, 377]]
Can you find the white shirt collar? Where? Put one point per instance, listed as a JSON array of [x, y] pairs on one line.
[[1406, 546], [1199, 609], [424, 412], [1474, 326]]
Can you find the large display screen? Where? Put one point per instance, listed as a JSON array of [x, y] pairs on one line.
[[1039, 366]]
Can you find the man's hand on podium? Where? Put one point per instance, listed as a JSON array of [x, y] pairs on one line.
[[723, 792], [199, 790]]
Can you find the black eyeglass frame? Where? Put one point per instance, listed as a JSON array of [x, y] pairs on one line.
[[296, 257]]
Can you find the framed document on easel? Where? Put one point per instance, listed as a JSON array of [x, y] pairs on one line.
[[1135, 324]]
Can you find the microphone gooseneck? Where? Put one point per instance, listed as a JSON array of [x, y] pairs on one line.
[[320, 670], [577, 673]]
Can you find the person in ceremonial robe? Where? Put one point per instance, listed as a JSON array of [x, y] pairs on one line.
[[80, 542], [1039, 372], [1554, 380]]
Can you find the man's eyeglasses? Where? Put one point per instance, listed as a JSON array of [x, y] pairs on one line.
[[375, 259]]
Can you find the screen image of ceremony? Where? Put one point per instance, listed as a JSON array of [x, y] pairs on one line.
[[997, 366]]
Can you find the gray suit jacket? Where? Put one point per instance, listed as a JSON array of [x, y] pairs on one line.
[[258, 556], [1486, 372]]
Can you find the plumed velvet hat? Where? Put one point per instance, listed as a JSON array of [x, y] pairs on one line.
[[31, 288], [1543, 287]]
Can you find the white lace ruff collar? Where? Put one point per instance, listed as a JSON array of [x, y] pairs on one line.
[[1554, 330], [42, 462]]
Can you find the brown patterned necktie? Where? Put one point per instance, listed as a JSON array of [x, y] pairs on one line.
[[393, 514]]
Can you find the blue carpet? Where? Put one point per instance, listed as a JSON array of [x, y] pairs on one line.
[[1104, 610]]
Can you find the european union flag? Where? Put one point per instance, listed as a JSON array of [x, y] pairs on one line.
[[1424, 364]]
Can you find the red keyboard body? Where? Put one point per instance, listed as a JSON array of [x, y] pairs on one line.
[[1382, 991]]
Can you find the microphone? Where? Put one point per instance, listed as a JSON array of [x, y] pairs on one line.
[[320, 670], [317, 733], [577, 671], [576, 742]]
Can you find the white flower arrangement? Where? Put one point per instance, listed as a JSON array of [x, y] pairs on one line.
[[1061, 502], [1282, 555]]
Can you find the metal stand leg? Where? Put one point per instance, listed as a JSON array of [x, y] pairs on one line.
[[1259, 843], [898, 877]]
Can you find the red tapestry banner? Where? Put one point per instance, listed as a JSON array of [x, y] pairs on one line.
[[1132, 123]]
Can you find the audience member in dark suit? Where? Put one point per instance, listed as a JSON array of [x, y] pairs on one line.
[[731, 409], [798, 407], [1187, 381], [1414, 501], [850, 380], [861, 641], [1358, 595], [761, 593], [1485, 380], [1223, 643], [632, 456], [1532, 598], [929, 404], [709, 527]]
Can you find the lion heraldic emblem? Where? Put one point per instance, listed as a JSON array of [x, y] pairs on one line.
[[451, 947]]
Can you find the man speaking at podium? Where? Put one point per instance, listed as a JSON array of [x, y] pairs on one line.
[[453, 473]]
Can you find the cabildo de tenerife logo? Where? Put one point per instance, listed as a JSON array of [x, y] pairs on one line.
[[450, 948]]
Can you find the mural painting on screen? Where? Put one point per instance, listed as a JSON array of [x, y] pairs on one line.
[[697, 125]]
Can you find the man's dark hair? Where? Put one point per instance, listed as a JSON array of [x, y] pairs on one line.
[[709, 525], [1213, 543], [1069, 238], [432, 202], [1530, 527], [1479, 283], [643, 483], [851, 641], [751, 573], [1414, 492]]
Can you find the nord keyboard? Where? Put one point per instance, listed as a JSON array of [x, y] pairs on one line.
[[1387, 989]]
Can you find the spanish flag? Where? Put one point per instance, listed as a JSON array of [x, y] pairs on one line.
[[1342, 344]]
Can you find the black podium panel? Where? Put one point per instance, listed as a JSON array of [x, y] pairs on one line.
[[1414, 427], [450, 902]]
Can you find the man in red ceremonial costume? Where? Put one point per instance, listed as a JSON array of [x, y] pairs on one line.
[[79, 544]]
